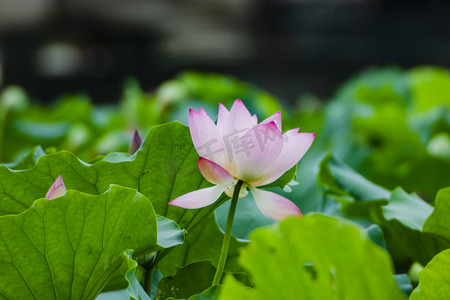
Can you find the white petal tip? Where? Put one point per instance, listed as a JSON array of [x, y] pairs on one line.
[[58, 189], [199, 198], [275, 206]]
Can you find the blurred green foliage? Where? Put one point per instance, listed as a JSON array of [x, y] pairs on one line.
[[390, 125], [400, 216], [396, 117]]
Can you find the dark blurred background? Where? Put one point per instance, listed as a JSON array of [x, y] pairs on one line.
[[287, 47]]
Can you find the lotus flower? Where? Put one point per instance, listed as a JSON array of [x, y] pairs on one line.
[[58, 189], [238, 148]]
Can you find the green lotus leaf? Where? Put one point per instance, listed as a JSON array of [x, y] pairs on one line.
[[164, 168], [434, 279], [69, 247], [316, 257], [400, 215]]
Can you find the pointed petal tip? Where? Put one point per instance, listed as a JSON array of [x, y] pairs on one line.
[[275, 117], [311, 134], [200, 113], [199, 198], [273, 125], [174, 202], [192, 115], [278, 114], [222, 115], [275, 206], [239, 104], [201, 160], [223, 111], [214, 172], [136, 142], [194, 112], [58, 189]]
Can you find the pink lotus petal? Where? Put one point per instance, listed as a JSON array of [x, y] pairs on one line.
[[214, 173], [135, 143], [222, 117], [273, 205], [236, 121], [199, 198], [58, 189], [232, 125], [205, 136], [294, 147], [276, 117], [257, 150]]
